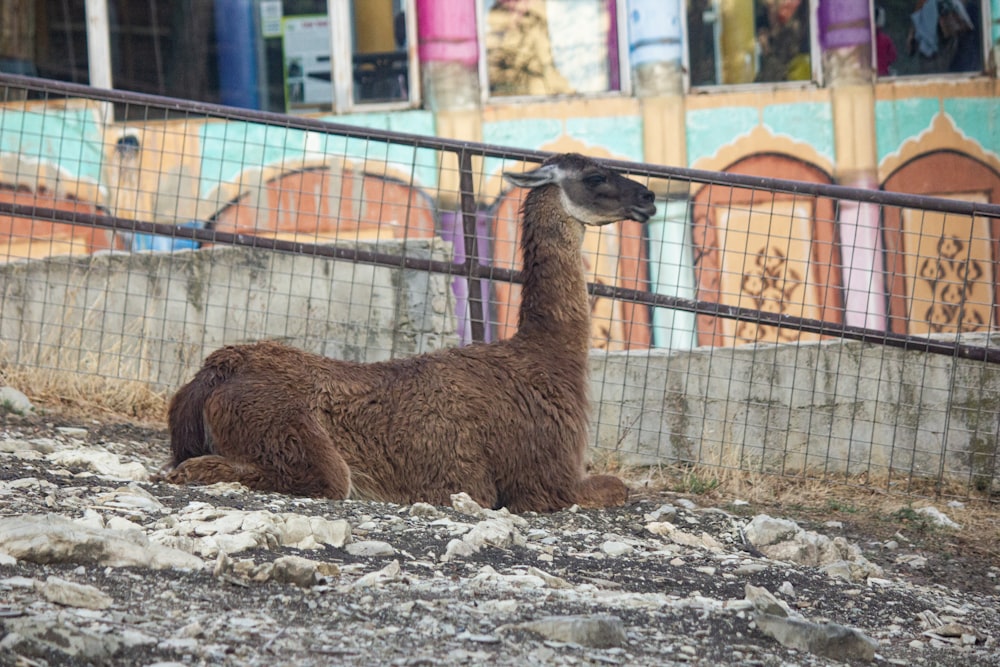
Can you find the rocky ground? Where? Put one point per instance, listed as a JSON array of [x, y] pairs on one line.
[[100, 565]]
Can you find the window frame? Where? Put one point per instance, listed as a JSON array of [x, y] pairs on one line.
[[985, 49], [816, 79], [342, 60], [624, 65]]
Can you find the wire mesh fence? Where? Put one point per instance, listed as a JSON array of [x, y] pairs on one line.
[[754, 324]]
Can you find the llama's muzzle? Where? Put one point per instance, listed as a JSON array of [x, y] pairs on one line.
[[642, 212]]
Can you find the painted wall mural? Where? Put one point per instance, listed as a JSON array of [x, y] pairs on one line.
[[51, 157], [908, 271], [767, 251], [941, 267]]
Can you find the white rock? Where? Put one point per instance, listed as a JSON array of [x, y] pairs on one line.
[[498, 531], [598, 631], [71, 594], [462, 502], [551, 580], [55, 539], [764, 530], [915, 561], [764, 602], [366, 548], [19, 582], [488, 577], [387, 574], [121, 523], [829, 640], [938, 517], [130, 499], [100, 461], [784, 540], [14, 401], [683, 538], [425, 511], [334, 533], [458, 549], [614, 548], [232, 544], [45, 445], [660, 512], [64, 640], [295, 570], [15, 445]]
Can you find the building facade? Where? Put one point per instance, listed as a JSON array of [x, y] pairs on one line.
[[897, 94]]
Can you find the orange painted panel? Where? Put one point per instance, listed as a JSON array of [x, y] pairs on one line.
[[320, 205], [27, 238], [949, 270], [775, 252], [766, 266], [941, 270]]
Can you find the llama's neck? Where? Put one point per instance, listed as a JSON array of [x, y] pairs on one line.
[[554, 303]]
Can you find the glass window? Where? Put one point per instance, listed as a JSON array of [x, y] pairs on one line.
[[915, 37], [381, 65], [260, 54], [747, 41], [45, 38], [551, 47]]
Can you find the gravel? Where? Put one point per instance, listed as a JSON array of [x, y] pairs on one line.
[[100, 565]]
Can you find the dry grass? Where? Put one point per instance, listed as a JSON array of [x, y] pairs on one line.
[[86, 396]]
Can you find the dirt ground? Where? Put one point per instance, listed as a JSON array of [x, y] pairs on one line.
[[957, 569]]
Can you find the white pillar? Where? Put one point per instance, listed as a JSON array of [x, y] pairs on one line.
[[98, 44]]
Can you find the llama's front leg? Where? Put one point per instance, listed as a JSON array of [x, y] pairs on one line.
[[212, 469], [601, 491]]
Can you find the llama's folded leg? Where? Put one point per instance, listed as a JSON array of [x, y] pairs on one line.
[[601, 491], [279, 438], [213, 469]]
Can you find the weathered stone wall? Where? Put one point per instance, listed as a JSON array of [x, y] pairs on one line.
[[842, 407], [839, 407], [154, 316]]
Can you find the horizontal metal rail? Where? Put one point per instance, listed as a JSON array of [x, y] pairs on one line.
[[471, 268]]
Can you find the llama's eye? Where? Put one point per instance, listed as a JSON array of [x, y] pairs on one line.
[[595, 179]]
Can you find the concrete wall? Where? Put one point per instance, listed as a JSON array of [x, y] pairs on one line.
[[154, 316], [832, 406], [842, 407]]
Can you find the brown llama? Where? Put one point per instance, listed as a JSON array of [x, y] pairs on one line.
[[506, 422]]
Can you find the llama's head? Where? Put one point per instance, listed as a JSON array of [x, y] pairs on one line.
[[589, 192]]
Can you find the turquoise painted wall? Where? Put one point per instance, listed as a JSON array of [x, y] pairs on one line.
[[620, 136], [709, 130], [899, 121], [227, 148], [70, 139]]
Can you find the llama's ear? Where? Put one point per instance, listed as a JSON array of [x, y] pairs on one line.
[[548, 173]]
